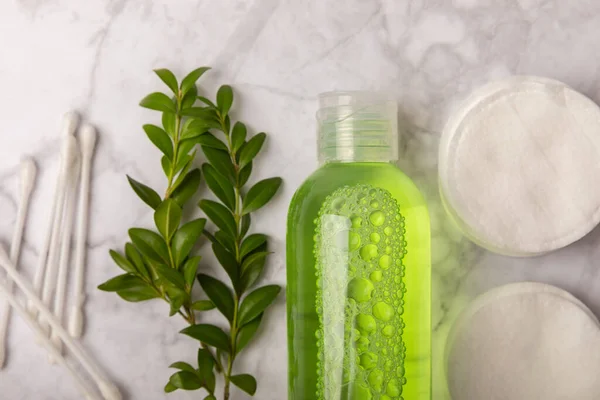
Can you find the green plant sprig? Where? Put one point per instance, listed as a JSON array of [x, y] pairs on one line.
[[160, 264]]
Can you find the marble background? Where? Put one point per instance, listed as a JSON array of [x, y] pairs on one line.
[[96, 57]]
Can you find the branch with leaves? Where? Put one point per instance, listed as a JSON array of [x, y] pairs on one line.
[[159, 264]]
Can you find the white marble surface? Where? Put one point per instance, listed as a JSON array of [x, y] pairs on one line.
[[97, 56]]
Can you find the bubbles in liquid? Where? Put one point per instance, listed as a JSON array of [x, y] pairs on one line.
[[362, 344], [356, 222], [377, 218], [383, 311], [376, 276], [365, 323], [393, 388], [385, 261], [375, 237], [368, 252], [360, 289], [376, 380], [388, 330], [374, 204], [368, 360], [354, 241], [360, 392], [388, 230]]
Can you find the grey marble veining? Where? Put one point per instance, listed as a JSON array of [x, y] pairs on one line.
[[97, 56]]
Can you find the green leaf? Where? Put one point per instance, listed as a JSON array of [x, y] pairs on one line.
[[228, 261], [252, 269], [169, 123], [244, 175], [224, 240], [185, 146], [238, 136], [224, 99], [167, 218], [219, 293], [220, 160], [185, 380], [166, 165], [220, 216], [256, 302], [184, 163], [209, 334], [206, 362], [160, 138], [188, 186], [260, 194], [171, 275], [227, 125], [169, 388], [190, 80], [185, 238], [220, 185], [207, 101], [193, 128], [209, 140], [177, 299], [183, 366], [245, 382], [145, 193], [203, 305], [130, 288], [210, 397], [251, 149], [190, 98], [190, 268], [120, 282], [247, 333], [205, 114], [246, 220], [251, 243], [169, 79], [122, 262], [134, 256], [150, 244], [159, 102]]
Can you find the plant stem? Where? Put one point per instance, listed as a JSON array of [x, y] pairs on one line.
[[238, 218]]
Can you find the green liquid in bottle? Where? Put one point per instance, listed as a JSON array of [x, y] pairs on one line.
[[359, 285]]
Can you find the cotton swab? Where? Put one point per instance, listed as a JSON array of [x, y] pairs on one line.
[[11, 299], [68, 155], [70, 122], [87, 142], [107, 388], [65, 251], [27, 180]]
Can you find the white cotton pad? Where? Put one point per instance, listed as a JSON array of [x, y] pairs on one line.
[[518, 166], [524, 341]]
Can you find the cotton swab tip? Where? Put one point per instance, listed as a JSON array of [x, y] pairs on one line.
[[70, 122], [88, 137], [28, 174]]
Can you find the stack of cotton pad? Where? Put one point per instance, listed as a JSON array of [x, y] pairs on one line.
[[525, 341], [519, 163]]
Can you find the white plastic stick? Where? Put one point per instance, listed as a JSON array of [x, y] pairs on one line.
[[65, 252], [70, 122], [85, 387], [87, 142], [107, 388], [68, 155], [27, 180]]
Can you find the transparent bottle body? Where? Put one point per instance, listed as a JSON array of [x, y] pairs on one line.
[[359, 286]]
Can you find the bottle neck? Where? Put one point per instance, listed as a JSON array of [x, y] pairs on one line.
[[357, 127]]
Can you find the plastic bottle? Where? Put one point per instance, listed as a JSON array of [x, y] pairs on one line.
[[358, 263]]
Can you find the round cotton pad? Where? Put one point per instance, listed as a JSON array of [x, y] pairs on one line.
[[518, 165], [522, 342]]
